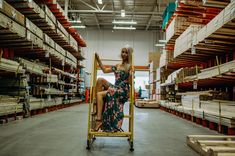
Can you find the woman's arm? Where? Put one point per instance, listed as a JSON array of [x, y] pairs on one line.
[[105, 70]]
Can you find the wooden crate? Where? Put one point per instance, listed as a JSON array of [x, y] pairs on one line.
[[13, 27], [34, 29], [12, 12]]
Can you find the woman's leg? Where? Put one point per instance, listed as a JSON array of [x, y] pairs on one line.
[[100, 104], [101, 85]]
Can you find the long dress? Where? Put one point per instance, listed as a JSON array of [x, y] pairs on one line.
[[116, 96]]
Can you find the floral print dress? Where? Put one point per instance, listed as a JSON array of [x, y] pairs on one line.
[[116, 96]]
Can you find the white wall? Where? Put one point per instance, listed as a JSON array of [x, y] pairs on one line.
[[108, 44]]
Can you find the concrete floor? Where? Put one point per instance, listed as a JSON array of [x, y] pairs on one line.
[[63, 133]]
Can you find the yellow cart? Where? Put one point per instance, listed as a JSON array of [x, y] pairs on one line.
[[91, 135]]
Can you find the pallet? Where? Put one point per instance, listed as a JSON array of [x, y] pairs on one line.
[[212, 145], [147, 104]]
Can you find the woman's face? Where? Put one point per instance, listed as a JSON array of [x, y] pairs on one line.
[[124, 54]]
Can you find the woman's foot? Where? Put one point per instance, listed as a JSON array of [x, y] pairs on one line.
[[98, 125]]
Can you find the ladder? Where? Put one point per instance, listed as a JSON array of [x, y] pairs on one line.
[[91, 135]]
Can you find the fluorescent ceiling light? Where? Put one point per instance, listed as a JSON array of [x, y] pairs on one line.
[[77, 21], [162, 41], [159, 45], [126, 28], [123, 14], [100, 2], [78, 26], [124, 22]]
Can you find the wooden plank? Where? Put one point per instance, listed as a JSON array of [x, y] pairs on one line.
[[34, 29], [12, 12], [11, 26]]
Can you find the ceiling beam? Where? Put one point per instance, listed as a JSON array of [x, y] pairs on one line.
[[150, 19], [87, 4], [116, 12], [97, 21], [96, 18]]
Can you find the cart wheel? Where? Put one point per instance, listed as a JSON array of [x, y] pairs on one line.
[[132, 147], [88, 145]]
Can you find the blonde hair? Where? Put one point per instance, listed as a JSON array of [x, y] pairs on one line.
[[129, 62]]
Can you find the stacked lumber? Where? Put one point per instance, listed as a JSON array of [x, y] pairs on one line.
[[9, 105], [12, 12], [147, 103], [187, 72], [11, 66], [166, 57], [176, 27], [44, 90], [32, 67], [48, 78], [219, 107], [184, 41], [36, 103], [213, 145], [216, 31], [219, 71], [172, 78]]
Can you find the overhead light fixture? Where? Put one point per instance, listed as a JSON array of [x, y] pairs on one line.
[[124, 22], [126, 28], [100, 2], [75, 21], [159, 45], [162, 41], [78, 26], [123, 14]]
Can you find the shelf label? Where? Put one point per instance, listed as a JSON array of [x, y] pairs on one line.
[[194, 84]]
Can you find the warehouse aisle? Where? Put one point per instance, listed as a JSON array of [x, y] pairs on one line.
[[63, 133]]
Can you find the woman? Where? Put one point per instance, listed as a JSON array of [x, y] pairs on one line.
[[111, 117]]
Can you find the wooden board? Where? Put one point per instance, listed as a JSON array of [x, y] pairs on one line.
[[10, 66], [10, 26], [34, 39], [184, 41], [73, 42], [176, 27], [34, 29], [12, 12], [49, 41], [212, 145]]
